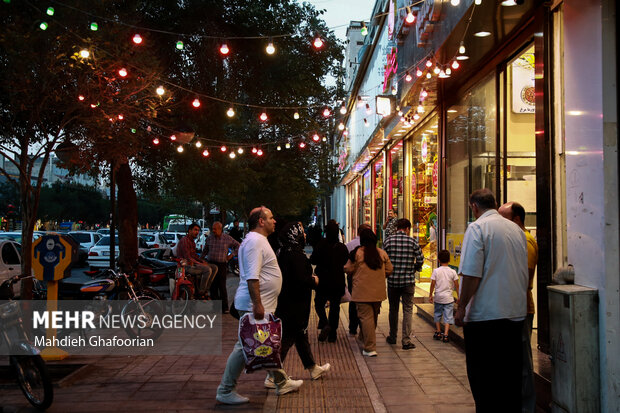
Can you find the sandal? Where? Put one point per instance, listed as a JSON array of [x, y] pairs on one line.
[[445, 339], [437, 335]]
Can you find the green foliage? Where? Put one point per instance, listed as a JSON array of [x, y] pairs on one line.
[[73, 202]]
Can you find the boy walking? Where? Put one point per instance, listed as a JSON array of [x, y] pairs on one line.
[[444, 280]]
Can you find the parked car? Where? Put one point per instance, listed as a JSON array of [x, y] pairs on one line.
[[173, 238], [86, 238], [99, 255], [17, 235], [10, 261], [103, 231], [154, 239]]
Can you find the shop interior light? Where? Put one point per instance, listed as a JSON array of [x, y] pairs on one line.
[[509, 3], [455, 2], [428, 75], [477, 2], [408, 77], [420, 109], [416, 117], [443, 75], [482, 33], [410, 17], [423, 94], [455, 64], [448, 71], [462, 48]]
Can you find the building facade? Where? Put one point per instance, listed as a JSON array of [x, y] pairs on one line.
[[516, 96]]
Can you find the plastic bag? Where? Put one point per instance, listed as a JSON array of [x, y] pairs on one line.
[[261, 340]]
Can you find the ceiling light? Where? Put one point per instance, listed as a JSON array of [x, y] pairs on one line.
[[482, 34]]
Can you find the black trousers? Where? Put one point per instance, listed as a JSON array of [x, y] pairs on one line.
[[494, 363], [218, 287], [354, 320], [334, 311], [298, 336]]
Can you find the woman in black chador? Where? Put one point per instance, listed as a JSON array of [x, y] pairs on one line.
[[294, 300], [330, 256]]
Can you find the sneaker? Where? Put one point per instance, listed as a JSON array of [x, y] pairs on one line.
[[408, 346], [289, 385], [324, 333], [390, 340], [369, 353], [231, 398], [317, 371], [437, 335], [269, 383]]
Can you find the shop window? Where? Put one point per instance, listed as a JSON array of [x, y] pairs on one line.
[[378, 195], [470, 158], [367, 197], [424, 184], [397, 177]]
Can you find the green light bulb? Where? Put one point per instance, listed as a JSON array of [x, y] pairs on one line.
[[133, 130], [50, 11], [94, 26], [43, 26], [7, 1], [180, 45], [364, 31]]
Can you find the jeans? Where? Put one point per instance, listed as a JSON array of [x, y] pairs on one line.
[[394, 296], [299, 337], [235, 365], [493, 351], [204, 276]]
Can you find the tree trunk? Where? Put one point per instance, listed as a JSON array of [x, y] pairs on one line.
[[28, 220], [127, 219]]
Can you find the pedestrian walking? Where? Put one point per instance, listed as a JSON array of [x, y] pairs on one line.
[[444, 280], [352, 246], [370, 268], [294, 299], [516, 213], [216, 250], [329, 256], [259, 286], [493, 305], [203, 272], [407, 258]]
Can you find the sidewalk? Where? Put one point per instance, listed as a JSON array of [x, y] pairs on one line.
[[430, 378]]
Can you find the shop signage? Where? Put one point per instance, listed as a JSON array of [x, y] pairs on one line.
[[391, 67], [435, 174], [523, 97], [383, 105], [391, 19], [428, 16]]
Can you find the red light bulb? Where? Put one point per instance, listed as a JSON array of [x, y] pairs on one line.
[[137, 39], [173, 138], [263, 117], [316, 137], [196, 103], [223, 148], [155, 141], [318, 42], [224, 50], [122, 72]]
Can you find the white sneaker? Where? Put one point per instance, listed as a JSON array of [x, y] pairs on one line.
[[269, 383], [289, 386], [231, 398], [369, 353], [317, 371]]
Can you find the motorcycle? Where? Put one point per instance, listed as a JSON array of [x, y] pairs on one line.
[[29, 368], [182, 288], [155, 272]]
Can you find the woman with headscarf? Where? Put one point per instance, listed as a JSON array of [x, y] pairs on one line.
[[370, 269], [294, 299], [329, 256]]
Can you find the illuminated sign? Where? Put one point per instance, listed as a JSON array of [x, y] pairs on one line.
[[391, 68], [383, 105]]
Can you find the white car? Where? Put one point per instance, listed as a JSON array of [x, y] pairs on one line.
[[99, 255], [17, 235], [154, 239], [10, 261], [85, 238], [173, 238]]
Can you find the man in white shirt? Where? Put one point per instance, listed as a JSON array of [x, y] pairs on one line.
[[259, 286], [493, 305]]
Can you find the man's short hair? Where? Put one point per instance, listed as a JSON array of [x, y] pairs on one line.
[[363, 226], [518, 211], [191, 226], [403, 223], [255, 215], [444, 256], [483, 198], [218, 223]]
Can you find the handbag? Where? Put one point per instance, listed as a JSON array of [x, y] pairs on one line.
[[261, 341], [346, 297]]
